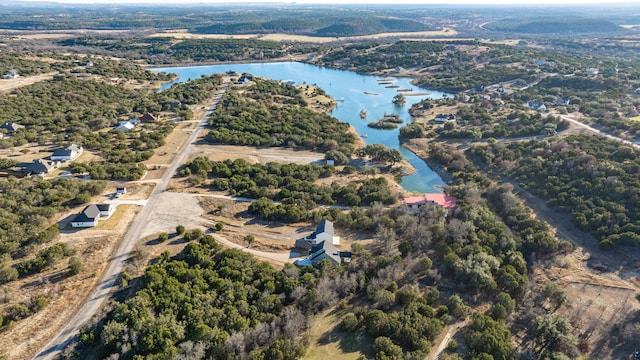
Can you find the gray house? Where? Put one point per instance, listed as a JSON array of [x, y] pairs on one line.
[[325, 250], [38, 167], [323, 232]]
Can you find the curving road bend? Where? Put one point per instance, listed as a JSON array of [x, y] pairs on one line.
[[118, 261]]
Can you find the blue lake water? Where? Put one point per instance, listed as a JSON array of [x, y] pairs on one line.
[[351, 87]]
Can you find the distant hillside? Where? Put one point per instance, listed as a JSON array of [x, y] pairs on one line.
[[317, 27], [554, 26], [371, 26]]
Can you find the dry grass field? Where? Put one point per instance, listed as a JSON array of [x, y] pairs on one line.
[[183, 34], [65, 293]]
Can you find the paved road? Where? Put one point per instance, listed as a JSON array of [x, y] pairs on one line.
[[118, 261]]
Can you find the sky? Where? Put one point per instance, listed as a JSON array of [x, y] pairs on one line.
[[371, 2]]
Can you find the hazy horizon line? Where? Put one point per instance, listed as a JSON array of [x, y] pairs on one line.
[[594, 3]]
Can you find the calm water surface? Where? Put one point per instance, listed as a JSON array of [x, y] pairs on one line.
[[350, 87]]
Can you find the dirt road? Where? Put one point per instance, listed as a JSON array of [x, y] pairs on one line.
[[117, 262], [444, 338], [596, 131]]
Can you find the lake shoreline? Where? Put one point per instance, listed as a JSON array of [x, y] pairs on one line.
[[349, 87], [434, 166]]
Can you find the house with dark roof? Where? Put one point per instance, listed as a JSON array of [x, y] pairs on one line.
[[325, 250], [106, 210], [148, 118], [324, 232], [91, 214], [11, 127], [38, 167], [68, 154], [87, 218], [443, 118]]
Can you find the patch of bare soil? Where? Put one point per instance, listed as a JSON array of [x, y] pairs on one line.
[[173, 142], [600, 286], [10, 84], [28, 152], [269, 236], [65, 293], [255, 155], [155, 173], [601, 306]]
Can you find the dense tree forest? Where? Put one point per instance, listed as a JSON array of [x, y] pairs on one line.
[[428, 266], [20, 62], [591, 178], [294, 186], [163, 50], [270, 114], [477, 122], [28, 206], [555, 26], [407, 54], [67, 110], [210, 303], [118, 69]]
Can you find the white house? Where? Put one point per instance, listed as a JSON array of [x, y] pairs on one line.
[[68, 154], [125, 126], [106, 210], [536, 105], [91, 214], [11, 74], [443, 118], [87, 218]]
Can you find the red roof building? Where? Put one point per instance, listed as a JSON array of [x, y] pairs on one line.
[[448, 202]]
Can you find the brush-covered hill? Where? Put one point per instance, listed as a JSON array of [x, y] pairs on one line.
[[554, 26]]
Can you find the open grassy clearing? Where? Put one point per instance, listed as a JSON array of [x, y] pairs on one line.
[[328, 341], [65, 293], [255, 155], [11, 84], [114, 221], [164, 154]]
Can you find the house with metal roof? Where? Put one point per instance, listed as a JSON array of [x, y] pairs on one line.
[[324, 232], [91, 214], [325, 250], [68, 154]]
